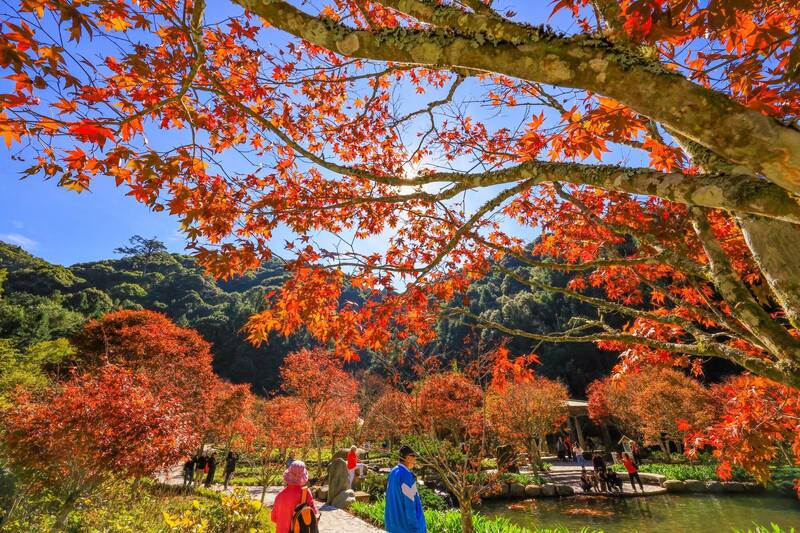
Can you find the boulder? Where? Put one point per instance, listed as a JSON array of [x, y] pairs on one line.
[[516, 490], [652, 479], [361, 496], [321, 493], [694, 485], [565, 490], [532, 491], [344, 500], [674, 485], [733, 486], [713, 486], [503, 491], [548, 489], [749, 486], [338, 481]]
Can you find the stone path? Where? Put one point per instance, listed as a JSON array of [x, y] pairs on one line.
[[332, 520], [570, 474]]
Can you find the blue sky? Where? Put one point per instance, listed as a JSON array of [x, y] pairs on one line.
[[65, 227]]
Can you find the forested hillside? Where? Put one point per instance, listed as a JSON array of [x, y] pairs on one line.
[[41, 301]]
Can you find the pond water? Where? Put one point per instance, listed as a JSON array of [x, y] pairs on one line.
[[665, 514]]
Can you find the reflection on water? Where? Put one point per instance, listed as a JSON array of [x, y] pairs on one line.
[[668, 514]]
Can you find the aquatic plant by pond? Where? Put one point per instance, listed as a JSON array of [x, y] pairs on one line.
[[450, 521]]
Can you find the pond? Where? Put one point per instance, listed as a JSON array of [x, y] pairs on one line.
[[665, 514]]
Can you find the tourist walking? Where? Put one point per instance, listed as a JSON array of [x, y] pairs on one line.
[[633, 471], [295, 502], [230, 467], [568, 448], [211, 469], [352, 463], [188, 471], [403, 505]]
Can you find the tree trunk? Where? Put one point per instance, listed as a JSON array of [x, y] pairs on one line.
[[775, 246], [465, 510], [534, 456], [63, 513]]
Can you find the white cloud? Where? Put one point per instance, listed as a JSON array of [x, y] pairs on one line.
[[19, 240]]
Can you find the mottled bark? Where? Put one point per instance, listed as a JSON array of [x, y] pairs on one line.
[[776, 249], [743, 305], [491, 44]]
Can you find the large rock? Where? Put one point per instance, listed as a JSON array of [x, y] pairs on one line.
[[361, 496], [565, 490], [344, 500], [516, 490], [733, 486], [503, 490], [749, 486], [321, 493], [652, 479], [532, 491], [548, 489], [714, 486], [338, 481], [694, 485], [674, 485]]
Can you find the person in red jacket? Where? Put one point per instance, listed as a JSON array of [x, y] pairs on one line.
[[352, 463], [633, 471], [295, 477]]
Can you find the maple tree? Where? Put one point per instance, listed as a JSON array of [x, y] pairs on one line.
[[659, 404], [229, 414], [280, 426], [449, 432], [389, 417], [317, 379], [759, 424], [150, 343], [695, 248], [525, 413], [75, 437]]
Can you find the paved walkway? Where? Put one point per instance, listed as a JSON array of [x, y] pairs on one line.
[[570, 474], [332, 520]]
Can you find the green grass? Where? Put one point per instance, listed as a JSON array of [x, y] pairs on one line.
[[772, 528], [682, 472], [450, 521]]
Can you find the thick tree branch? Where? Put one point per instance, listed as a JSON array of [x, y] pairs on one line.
[[702, 115], [743, 306]]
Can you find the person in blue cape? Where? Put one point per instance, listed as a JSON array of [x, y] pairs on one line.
[[403, 504]]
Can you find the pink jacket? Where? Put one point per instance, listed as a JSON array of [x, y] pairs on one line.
[[285, 502]]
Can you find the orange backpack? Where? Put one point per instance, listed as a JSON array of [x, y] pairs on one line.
[[304, 520]]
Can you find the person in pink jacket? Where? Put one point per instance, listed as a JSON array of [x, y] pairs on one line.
[[295, 477]]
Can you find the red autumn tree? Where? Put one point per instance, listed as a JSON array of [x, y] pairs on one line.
[[318, 380], [450, 435], [390, 417], [281, 425], [145, 341], [290, 118], [759, 424], [525, 413], [229, 415], [658, 404], [446, 405], [113, 422]]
